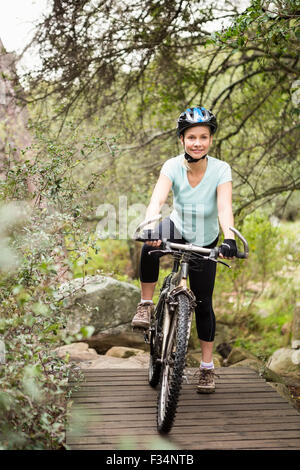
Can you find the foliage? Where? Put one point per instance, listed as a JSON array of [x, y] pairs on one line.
[[33, 380], [258, 296], [137, 75]]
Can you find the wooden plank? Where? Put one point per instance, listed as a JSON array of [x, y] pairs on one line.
[[138, 421], [225, 388], [185, 400], [214, 428], [128, 383], [213, 445], [186, 439], [151, 409], [219, 370], [124, 421], [150, 394], [258, 415]]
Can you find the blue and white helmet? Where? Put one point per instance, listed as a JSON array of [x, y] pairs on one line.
[[195, 116]]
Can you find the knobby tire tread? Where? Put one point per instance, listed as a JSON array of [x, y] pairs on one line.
[[156, 366], [179, 365]]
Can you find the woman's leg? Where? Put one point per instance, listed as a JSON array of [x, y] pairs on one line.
[[202, 284], [202, 280], [207, 351], [147, 290]]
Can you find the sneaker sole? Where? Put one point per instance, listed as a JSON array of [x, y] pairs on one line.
[[143, 326], [205, 390]]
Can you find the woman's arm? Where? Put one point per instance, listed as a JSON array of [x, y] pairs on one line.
[[158, 198], [225, 214]]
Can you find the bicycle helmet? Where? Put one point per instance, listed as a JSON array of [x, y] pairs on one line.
[[195, 116]]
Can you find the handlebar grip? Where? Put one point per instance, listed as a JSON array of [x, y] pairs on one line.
[[241, 254]]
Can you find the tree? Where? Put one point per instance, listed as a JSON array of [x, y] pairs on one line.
[[136, 65]]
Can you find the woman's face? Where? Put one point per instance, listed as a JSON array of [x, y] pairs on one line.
[[196, 141]]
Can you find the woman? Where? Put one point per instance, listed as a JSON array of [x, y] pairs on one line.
[[202, 199]]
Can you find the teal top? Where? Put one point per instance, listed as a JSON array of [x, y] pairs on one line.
[[195, 211]]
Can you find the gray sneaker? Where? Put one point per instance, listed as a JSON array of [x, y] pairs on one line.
[[143, 315], [206, 381]]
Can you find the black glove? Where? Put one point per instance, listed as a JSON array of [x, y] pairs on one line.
[[228, 248]]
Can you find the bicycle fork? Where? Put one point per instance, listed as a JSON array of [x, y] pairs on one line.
[[168, 331]]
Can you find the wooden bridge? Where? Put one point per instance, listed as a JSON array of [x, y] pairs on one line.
[[116, 409]]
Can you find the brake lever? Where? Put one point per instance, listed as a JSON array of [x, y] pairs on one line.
[[211, 258], [222, 262], [160, 251]]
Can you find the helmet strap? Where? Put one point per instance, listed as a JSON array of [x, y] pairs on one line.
[[191, 159]]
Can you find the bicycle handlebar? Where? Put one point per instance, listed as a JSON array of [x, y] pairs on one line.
[[212, 252]]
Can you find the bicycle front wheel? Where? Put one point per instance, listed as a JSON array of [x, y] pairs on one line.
[[173, 367]]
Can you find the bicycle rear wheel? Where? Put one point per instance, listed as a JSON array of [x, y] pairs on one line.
[[173, 367]]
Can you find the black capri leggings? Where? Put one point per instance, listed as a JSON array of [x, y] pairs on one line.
[[202, 279]]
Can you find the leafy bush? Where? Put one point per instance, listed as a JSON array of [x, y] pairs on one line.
[[258, 295], [34, 387]]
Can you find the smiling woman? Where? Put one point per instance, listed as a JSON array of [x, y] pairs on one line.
[[201, 199]]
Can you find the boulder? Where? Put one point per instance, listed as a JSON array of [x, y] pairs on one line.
[[261, 369], [224, 349], [296, 328], [140, 361], [285, 361], [101, 342], [123, 352], [251, 363], [237, 355], [77, 352], [99, 301]]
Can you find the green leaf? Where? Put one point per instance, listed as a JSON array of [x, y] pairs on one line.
[[87, 331], [39, 308]]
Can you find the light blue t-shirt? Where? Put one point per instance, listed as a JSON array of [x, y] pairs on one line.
[[195, 211]]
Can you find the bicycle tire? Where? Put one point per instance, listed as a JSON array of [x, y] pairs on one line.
[[156, 339], [172, 371]]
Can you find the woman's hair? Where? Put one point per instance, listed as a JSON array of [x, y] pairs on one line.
[[186, 165]]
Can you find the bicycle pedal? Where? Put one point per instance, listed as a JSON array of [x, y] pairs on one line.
[[146, 337]]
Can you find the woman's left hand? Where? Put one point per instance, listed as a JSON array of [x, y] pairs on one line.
[[228, 249]]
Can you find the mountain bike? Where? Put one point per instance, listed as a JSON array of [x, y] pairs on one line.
[[170, 327]]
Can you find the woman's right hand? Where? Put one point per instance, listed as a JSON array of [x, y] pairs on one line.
[[152, 236], [153, 243]]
